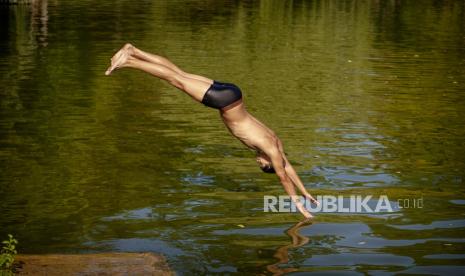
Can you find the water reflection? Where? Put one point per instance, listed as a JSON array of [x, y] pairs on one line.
[[282, 253], [39, 22]]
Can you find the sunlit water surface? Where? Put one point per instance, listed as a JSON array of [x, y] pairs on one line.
[[367, 96]]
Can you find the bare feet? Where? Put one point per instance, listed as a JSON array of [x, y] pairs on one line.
[[120, 58]]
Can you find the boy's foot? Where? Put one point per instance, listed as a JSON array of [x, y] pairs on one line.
[[120, 58]]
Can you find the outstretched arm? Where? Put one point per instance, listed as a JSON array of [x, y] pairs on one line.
[[293, 175], [297, 182], [286, 181]]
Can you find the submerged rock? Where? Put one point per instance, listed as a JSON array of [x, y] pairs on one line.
[[93, 264]]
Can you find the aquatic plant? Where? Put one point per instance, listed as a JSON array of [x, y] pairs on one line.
[[7, 256]]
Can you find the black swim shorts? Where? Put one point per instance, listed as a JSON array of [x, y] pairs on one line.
[[220, 95]]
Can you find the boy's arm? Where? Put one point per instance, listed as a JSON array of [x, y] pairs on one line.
[[278, 165], [297, 182]]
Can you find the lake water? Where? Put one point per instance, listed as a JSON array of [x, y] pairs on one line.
[[368, 98]]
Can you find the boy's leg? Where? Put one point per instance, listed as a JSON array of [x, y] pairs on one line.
[[193, 87], [152, 58]]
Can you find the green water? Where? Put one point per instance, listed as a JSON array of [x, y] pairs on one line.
[[368, 98]]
